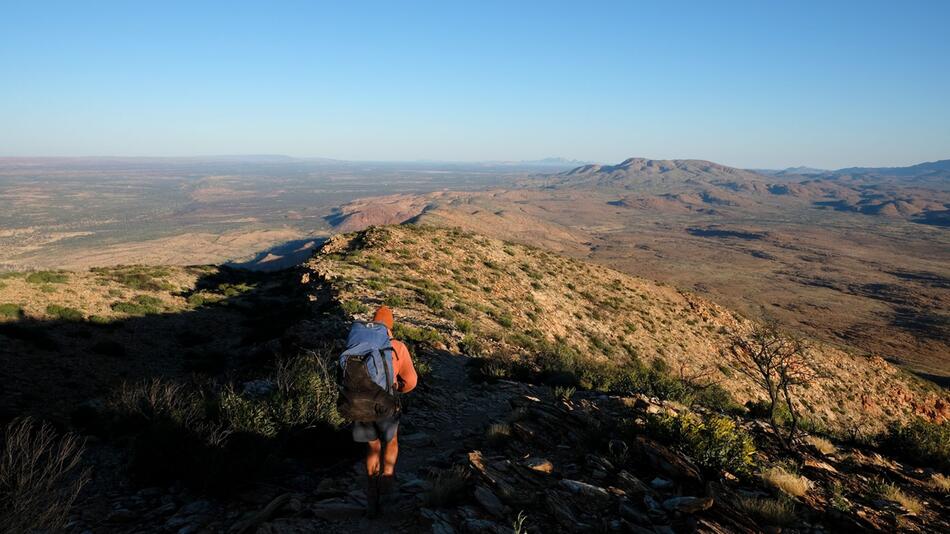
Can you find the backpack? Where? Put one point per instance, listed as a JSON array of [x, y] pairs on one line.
[[366, 374]]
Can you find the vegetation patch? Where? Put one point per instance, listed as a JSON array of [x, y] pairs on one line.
[[203, 298], [893, 493], [820, 444], [785, 481], [921, 442], [138, 277], [447, 487], [140, 305], [777, 512], [714, 442], [219, 437], [233, 290], [64, 313], [40, 477], [412, 335], [47, 277], [354, 307], [9, 310]]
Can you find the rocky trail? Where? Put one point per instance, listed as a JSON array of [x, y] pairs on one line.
[[445, 417], [477, 455]]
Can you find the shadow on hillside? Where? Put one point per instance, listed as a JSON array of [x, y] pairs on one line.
[[49, 367], [66, 372], [941, 380], [282, 256]]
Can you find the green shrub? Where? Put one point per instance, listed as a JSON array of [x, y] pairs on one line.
[[305, 393], [503, 318], [374, 264], [564, 392], [64, 313], [99, 319], [376, 284], [218, 441], [140, 305], [413, 335], [471, 345], [11, 311], [714, 442], [423, 367], [432, 299], [760, 410], [494, 368], [353, 307], [202, 298], [394, 300], [139, 277], [920, 441], [716, 397], [246, 415], [47, 277], [233, 290]]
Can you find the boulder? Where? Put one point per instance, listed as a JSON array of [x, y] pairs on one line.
[[671, 463], [590, 494], [632, 485], [688, 505], [489, 501], [540, 465]]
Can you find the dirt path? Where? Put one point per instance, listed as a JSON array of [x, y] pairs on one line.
[[445, 417]]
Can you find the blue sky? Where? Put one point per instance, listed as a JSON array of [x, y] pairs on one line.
[[754, 84]]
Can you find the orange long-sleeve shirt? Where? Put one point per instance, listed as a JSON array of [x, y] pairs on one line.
[[404, 372]]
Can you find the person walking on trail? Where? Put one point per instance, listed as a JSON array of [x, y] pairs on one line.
[[374, 368]]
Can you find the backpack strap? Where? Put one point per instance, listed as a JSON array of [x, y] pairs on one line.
[[390, 376]]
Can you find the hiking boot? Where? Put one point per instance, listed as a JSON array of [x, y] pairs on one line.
[[387, 491], [372, 496]]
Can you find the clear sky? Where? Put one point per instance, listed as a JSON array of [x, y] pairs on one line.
[[753, 84]]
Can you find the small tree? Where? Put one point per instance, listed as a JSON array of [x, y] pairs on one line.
[[777, 363]]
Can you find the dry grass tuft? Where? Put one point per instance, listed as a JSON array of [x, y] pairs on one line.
[[498, 433], [822, 445], [447, 487], [893, 493], [152, 399], [768, 511], [39, 477], [939, 482], [789, 483]]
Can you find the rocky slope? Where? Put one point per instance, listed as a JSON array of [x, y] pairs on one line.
[[488, 442], [509, 299], [843, 258]]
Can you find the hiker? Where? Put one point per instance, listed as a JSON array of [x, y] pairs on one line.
[[373, 368]]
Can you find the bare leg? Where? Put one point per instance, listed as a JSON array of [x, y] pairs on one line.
[[390, 455], [373, 455], [387, 480]]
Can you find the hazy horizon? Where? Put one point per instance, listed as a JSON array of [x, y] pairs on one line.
[[747, 85], [550, 159]]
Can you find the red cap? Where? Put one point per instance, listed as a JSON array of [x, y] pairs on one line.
[[385, 316]]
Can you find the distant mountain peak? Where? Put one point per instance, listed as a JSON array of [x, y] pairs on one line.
[[638, 168]]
